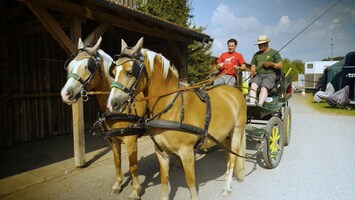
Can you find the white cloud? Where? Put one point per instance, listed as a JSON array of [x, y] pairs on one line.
[[246, 21], [284, 20], [335, 23], [224, 16], [226, 24], [285, 25], [350, 11]]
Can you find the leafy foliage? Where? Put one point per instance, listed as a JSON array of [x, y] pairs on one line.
[[178, 11], [335, 58], [296, 65], [199, 61]]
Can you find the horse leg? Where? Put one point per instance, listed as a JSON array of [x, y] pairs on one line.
[[164, 161], [116, 150], [226, 143], [236, 146], [240, 165], [131, 146], [188, 161]]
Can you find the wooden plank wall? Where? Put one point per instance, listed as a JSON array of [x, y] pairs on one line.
[[35, 66], [37, 76]]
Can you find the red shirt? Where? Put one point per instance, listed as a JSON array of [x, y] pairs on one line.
[[229, 60]]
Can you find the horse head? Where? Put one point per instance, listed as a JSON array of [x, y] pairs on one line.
[[130, 76], [81, 72]]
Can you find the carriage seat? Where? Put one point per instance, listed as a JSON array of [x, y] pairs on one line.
[[277, 89]]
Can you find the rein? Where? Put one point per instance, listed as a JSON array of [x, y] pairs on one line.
[[145, 124], [199, 85]]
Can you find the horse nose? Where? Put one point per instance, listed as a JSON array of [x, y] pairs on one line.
[[114, 104], [69, 93]]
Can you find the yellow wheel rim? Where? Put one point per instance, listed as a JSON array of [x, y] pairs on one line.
[[288, 121], [274, 142]]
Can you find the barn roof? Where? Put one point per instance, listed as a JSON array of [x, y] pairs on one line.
[[151, 19]]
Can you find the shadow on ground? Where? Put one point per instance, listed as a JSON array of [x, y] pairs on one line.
[[32, 155]]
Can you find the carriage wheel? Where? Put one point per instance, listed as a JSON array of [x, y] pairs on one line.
[[287, 124], [274, 144]]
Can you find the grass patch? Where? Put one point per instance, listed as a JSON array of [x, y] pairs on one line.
[[324, 107]]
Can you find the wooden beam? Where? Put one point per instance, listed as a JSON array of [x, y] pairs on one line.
[[96, 34], [6, 16], [52, 26], [180, 58], [32, 27], [109, 16], [78, 133], [78, 108], [115, 35], [6, 88]]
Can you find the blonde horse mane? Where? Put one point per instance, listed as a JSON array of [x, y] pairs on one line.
[[151, 55], [106, 58]]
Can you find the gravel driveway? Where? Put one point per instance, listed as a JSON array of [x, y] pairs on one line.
[[318, 164]]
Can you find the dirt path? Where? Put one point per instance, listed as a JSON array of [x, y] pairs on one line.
[[318, 164]]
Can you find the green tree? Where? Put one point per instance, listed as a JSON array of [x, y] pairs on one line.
[[296, 65], [335, 58], [178, 11], [199, 61]]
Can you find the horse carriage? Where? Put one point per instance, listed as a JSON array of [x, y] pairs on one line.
[[142, 80], [270, 124]]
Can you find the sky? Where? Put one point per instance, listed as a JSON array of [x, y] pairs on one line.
[[281, 21]]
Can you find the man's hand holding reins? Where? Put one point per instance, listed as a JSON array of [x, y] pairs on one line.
[[252, 71]]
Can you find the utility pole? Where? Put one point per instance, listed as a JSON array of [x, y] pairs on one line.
[[331, 44]]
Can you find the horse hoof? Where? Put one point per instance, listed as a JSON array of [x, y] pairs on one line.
[[226, 193], [240, 179], [134, 198], [115, 191]]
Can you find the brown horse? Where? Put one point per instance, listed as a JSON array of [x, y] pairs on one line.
[[89, 70], [228, 115]]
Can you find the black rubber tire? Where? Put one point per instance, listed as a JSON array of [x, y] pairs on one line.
[[274, 143], [287, 123]]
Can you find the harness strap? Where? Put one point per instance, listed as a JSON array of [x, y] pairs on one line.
[[76, 77], [152, 137], [205, 98], [123, 117], [120, 86], [182, 108], [167, 108], [166, 124], [127, 131]]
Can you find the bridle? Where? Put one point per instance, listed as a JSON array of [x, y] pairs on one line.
[[94, 64], [138, 69]]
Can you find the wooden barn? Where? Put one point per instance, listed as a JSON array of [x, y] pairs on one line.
[[39, 36]]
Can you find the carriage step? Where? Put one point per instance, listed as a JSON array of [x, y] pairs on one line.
[[255, 133]]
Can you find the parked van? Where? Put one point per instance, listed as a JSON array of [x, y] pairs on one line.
[[313, 72]]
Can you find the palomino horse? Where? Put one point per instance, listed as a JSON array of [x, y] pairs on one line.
[[89, 70], [158, 80]]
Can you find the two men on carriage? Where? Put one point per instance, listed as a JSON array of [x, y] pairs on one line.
[[265, 65]]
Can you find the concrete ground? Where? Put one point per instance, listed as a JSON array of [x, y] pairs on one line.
[[318, 164]]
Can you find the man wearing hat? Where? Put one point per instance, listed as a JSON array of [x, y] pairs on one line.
[[265, 63]]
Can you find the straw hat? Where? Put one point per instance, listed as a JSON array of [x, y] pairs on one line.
[[262, 39]]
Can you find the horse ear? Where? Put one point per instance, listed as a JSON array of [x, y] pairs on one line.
[[123, 45], [139, 45], [95, 47], [80, 44]]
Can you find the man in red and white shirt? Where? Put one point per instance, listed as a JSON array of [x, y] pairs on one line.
[[229, 63]]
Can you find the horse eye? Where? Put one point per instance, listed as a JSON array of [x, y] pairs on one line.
[[129, 73]]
